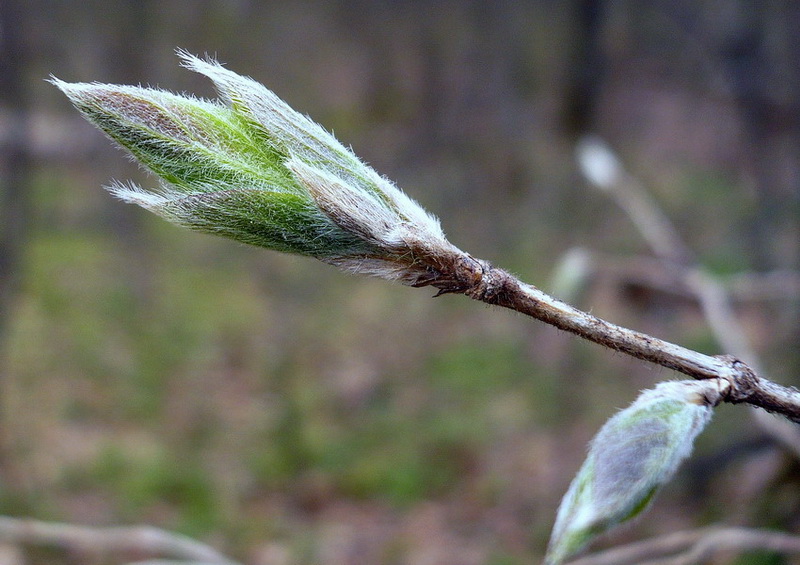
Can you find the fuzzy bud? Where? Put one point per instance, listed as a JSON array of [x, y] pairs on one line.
[[250, 168], [636, 452]]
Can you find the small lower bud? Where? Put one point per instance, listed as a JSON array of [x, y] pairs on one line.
[[633, 455]]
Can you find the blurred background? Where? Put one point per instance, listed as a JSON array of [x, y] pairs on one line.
[[290, 414]]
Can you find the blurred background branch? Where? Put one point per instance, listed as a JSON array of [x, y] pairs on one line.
[[99, 544], [696, 546]]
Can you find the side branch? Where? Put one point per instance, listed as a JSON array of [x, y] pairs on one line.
[[498, 287]]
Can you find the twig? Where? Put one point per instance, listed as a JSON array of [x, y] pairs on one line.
[[141, 540], [714, 300], [686, 548], [480, 281], [602, 168]]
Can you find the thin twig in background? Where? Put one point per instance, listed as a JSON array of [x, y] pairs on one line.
[[603, 170], [776, 285], [137, 540], [689, 547], [171, 562], [579, 264]]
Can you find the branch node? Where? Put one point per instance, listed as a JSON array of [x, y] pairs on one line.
[[462, 274], [744, 382], [490, 285]]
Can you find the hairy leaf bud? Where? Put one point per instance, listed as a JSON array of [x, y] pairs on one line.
[[251, 168], [633, 454]]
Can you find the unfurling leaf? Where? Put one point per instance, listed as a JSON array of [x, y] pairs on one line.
[[251, 168], [635, 452]]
